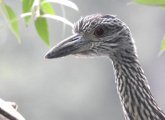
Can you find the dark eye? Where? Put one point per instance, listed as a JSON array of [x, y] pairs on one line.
[[99, 32]]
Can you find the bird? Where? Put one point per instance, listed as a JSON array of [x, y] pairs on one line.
[[106, 35]]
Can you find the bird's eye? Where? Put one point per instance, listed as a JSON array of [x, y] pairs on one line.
[[99, 32]]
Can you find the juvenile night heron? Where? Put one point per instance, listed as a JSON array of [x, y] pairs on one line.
[[106, 35]]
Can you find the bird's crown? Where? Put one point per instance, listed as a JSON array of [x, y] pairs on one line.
[[90, 22]]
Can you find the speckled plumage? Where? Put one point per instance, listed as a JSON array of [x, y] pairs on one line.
[[116, 42]]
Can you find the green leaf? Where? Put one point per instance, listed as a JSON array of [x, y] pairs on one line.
[[163, 44], [67, 3], [47, 8], [12, 20], [151, 2], [26, 7], [42, 29]]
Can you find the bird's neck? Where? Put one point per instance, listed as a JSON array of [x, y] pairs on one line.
[[133, 89]]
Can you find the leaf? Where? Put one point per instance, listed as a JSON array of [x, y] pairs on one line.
[[42, 29], [58, 18], [151, 2], [47, 8], [12, 20], [26, 7], [64, 2], [163, 44]]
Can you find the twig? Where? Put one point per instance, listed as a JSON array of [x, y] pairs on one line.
[[8, 110]]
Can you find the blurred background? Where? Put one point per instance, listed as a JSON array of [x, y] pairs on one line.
[[77, 88]]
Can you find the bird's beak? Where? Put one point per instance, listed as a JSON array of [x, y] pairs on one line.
[[71, 45]]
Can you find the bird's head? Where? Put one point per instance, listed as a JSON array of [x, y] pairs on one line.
[[101, 35]]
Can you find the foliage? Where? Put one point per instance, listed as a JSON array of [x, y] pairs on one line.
[[11, 20], [26, 7], [158, 3], [151, 2], [163, 44], [40, 11], [41, 27]]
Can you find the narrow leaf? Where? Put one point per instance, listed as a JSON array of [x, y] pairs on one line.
[[163, 44], [42, 29], [26, 7], [151, 2], [47, 8], [65, 2], [58, 18], [12, 20]]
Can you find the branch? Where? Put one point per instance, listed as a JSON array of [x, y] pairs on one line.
[[8, 111]]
